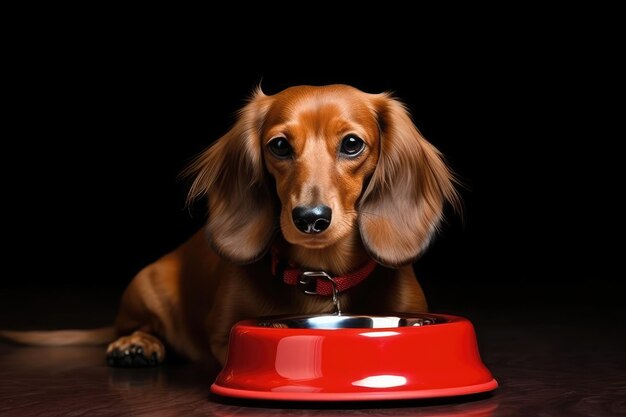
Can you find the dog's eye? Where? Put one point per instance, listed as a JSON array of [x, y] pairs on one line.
[[352, 145], [279, 147]]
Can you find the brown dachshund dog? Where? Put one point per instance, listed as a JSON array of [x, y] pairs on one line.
[[310, 179]]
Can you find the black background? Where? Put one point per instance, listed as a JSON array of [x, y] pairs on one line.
[[100, 123]]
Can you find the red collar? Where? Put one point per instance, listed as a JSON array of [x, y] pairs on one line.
[[311, 285]]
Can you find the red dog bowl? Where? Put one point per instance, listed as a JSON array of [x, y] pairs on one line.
[[353, 358]]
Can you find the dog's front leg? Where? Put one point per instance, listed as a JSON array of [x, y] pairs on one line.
[[219, 332], [245, 292]]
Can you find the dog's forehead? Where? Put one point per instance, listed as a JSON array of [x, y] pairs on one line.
[[320, 104]]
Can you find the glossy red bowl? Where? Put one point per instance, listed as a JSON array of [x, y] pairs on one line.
[[353, 358]]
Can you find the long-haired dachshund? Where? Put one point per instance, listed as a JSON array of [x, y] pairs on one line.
[[310, 179]]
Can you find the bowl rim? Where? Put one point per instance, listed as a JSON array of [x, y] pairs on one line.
[[398, 394], [440, 320]]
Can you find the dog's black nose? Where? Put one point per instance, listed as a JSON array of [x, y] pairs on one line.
[[314, 219]]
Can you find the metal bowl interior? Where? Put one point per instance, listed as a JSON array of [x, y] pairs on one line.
[[350, 321]]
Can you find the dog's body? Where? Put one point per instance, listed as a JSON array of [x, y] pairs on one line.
[[192, 297], [320, 178]]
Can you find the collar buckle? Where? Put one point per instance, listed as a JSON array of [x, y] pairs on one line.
[[307, 282]]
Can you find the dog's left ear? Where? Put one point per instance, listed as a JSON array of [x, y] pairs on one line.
[[403, 203], [230, 174]]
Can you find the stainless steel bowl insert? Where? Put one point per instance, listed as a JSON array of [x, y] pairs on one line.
[[349, 321]]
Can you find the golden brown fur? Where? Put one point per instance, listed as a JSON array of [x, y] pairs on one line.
[[386, 203]]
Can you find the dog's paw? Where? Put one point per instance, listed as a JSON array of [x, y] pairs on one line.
[[135, 351]]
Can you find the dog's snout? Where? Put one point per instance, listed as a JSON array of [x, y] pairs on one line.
[[312, 219]]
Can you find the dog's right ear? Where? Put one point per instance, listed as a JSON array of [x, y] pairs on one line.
[[230, 174]]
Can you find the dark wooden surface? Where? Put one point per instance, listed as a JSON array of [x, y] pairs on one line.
[[550, 363]]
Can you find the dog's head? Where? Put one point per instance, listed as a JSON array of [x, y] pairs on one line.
[[322, 164]]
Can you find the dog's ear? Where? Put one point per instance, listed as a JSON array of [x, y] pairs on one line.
[[231, 175], [403, 203]]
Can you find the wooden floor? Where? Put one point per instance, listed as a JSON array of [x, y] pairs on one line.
[[568, 364]]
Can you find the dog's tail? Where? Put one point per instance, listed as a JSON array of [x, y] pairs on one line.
[[97, 336]]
